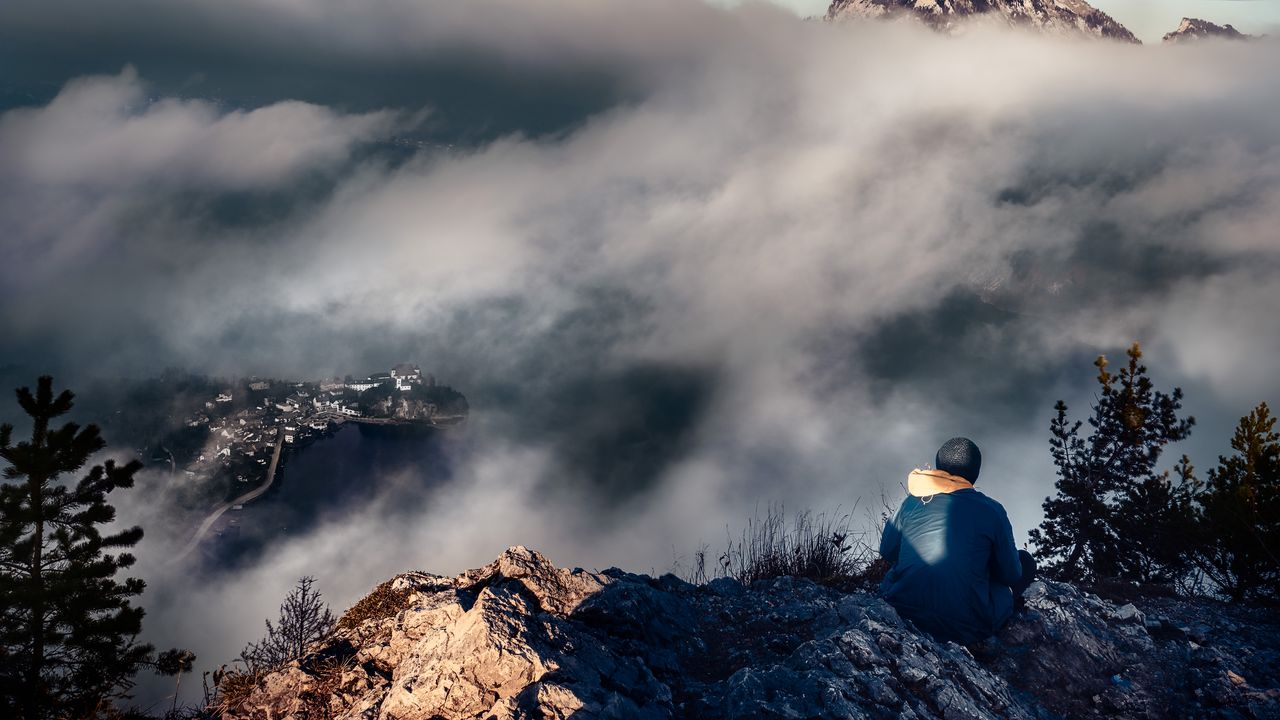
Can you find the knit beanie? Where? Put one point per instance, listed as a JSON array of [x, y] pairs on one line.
[[959, 456]]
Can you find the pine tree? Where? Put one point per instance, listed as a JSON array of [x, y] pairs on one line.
[[1240, 513], [1113, 515], [304, 619], [67, 627], [1156, 519]]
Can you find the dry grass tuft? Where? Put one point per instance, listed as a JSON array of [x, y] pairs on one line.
[[230, 689], [382, 603], [319, 699], [817, 546]]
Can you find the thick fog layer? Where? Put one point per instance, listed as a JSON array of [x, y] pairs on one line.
[[728, 258]]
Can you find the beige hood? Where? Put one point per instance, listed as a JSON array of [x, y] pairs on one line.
[[923, 483]]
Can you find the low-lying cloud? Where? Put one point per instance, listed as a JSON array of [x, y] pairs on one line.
[[104, 133], [783, 265]]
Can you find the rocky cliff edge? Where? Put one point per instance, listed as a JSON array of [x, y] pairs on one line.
[[521, 638]]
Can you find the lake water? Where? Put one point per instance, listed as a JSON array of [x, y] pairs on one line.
[[331, 477]]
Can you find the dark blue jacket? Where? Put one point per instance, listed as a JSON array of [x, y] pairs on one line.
[[953, 558]]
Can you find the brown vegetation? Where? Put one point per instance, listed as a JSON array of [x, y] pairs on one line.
[[385, 601]]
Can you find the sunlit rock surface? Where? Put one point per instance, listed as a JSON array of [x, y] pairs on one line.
[[1197, 29], [520, 638], [1066, 17]]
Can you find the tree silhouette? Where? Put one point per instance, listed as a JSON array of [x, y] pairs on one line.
[[1239, 542], [304, 619], [1113, 515], [67, 627]]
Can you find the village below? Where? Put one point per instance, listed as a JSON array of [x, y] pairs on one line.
[[224, 442], [272, 414]]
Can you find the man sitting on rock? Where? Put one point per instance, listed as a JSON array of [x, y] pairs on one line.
[[955, 569]]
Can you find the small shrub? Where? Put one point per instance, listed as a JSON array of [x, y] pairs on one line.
[[384, 602], [304, 619]]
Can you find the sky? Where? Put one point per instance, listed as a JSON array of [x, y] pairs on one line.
[[1151, 19], [684, 260]]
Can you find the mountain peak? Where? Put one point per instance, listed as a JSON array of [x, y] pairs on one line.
[[1197, 29], [1063, 17]]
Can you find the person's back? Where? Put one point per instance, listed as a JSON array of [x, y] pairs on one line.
[[955, 566]]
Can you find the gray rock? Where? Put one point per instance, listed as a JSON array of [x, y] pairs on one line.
[[725, 586], [1129, 613]]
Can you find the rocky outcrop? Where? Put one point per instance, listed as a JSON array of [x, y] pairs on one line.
[[1197, 29], [520, 638], [1064, 17]]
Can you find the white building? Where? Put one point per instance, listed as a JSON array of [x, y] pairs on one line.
[[405, 376]]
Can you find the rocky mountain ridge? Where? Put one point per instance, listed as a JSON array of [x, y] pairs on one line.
[[1197, 29], [521, 638], [1063, 17]]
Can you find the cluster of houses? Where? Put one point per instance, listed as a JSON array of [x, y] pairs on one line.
[[241, 439], [402, 377]]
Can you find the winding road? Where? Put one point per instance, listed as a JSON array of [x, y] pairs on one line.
[[218, 511], [257, 492]]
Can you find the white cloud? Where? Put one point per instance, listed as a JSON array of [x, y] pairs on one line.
[[102, 155], [105, 133]]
